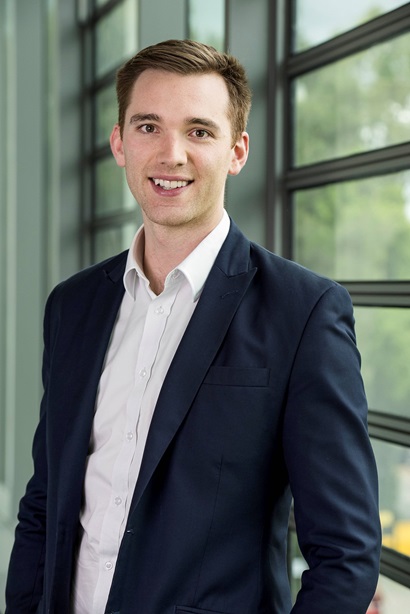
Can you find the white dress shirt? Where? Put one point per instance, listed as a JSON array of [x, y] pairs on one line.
[[144, 340]]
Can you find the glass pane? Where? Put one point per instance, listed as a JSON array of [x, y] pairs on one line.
[[207, 22], [319, 20], [298, 566], [357, 104], [105, 114], [356, 230], [393, 464], [393, 597], [111, 241], [112, 193], [116, 38], [383, 338]]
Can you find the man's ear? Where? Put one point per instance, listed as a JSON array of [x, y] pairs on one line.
[[240, 153], [117, 146]]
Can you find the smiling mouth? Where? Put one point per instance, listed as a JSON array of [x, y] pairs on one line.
[[166, 184]]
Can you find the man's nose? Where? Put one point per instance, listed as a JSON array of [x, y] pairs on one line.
[[172, 151]]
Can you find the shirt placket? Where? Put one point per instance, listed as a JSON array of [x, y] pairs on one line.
[[124, 471]]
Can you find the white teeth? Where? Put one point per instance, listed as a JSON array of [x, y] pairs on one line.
[[170, 185]]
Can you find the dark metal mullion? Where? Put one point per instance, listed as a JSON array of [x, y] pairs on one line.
[[103, 151], [278, 218], [389, 427], [98, 13], [395, 566], [101, 82], [375, 300], [362, 37], [115, 218], [288, 138], [84, 200], [376, 162], [379, 294]]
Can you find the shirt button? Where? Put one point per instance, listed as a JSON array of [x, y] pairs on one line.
[[130, 436], [175, 275], [143, 372], [117, 500], [108, 566], [159, 311]]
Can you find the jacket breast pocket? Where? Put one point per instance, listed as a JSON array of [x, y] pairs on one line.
[[237, 376]]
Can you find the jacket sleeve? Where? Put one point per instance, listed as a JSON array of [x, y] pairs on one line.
[[331, 465], [24, 586]]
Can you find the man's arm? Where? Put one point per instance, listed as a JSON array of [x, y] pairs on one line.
[[331, 464]]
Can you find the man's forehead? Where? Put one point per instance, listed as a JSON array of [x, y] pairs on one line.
[[197, 94], [159, 76]]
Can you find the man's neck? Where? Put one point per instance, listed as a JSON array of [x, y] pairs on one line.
[[167, 247]]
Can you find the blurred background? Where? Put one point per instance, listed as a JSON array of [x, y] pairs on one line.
[[327, 184]]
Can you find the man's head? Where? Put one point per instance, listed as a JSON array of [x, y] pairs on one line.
[[187, 57]]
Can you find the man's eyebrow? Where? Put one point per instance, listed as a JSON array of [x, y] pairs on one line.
[[144, 117], [203, 121]]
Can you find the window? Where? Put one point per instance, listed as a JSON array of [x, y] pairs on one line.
[[111, 215], [317, 21], [345, 212], [206, 22]]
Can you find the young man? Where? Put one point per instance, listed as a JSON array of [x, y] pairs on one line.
[[193, 385]]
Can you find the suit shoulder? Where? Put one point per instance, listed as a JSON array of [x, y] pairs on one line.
[[88, 278], [289, 277]]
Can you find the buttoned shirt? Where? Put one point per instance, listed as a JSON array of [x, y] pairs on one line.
[[145, 338]]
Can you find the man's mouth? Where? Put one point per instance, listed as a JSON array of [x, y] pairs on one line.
[[166, 184]]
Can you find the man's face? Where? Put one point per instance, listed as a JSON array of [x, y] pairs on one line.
[[177, 148]]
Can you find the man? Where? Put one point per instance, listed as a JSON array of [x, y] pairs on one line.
[[192, 386]]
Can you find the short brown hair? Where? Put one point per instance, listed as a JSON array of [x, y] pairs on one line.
[[187, 57]]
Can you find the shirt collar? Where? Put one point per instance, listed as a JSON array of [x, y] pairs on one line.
[[195, 268]]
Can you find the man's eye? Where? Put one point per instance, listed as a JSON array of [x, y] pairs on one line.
[[199, 133], [147, 128]]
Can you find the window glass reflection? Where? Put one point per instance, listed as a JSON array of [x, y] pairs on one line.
[[116, 38], [206, 22], [358, 104], [393, 464], [319, 20], [111, 241], [393, 597], [383, 337], [355, 230], [111, 191], [298, 565], [105, 114]]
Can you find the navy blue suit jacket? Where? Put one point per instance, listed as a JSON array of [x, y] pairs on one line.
[[263, 400]]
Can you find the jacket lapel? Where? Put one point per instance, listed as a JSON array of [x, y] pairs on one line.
[[86, 353], [222, 294]]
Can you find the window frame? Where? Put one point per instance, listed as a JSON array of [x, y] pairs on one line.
[[286, 180], [89, 17]]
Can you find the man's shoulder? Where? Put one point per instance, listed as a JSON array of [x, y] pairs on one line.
[[87, 279], [285, 272]]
